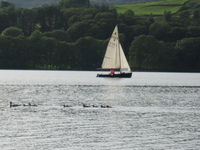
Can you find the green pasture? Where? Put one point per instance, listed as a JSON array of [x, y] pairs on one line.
[[155, 8]]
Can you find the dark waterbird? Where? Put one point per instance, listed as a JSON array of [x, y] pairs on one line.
[[67, 105], [106, 106], [85, 105], [14, 105], [32, 104], [94, 106], [25, 104]]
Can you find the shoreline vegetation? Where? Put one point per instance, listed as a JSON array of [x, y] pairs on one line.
[[158, 71], [162, 36]]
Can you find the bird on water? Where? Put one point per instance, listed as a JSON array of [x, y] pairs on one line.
[[13, 105]]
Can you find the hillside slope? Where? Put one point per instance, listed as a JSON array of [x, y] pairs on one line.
[[118, 2], [36, 3], [31, 3], [155, 8]]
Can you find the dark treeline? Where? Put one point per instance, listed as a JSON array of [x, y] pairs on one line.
[[74, 35]]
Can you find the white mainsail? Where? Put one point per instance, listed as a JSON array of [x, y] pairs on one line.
[[111, 58], [114, 57]]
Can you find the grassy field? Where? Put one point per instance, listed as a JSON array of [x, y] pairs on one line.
[[155, 8]]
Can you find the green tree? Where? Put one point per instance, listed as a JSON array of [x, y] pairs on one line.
[[71, 16], [36, 49], [12, 15], [73, 20], [151, 18], [167, 15], [194, 31], [188, 54], [13, 32], [196, 14], [13, 52], [4, 4], [87, 55], [20, 52], [106, 21], [26, 20], [48, 45], [78, 30], [184, 14], [49, 18], [5, 52], [146, 52], [177, 33], [129, 17], [160, 31], [59, 35], [63, 55], [74, 3], [139, 29], [4, 21]]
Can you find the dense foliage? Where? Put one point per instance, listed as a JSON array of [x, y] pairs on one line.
[[36, 3], [74, 35]]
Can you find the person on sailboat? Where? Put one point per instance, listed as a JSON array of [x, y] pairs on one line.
[[112, 71]]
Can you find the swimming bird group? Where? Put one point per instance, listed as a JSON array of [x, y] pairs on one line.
[[101, 106], [67, 105], [16, 105], [83, 104], [88, 105]]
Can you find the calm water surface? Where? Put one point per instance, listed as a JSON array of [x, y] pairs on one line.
[[149, 111]]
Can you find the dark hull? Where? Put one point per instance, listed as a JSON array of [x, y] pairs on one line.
[[121, 75]]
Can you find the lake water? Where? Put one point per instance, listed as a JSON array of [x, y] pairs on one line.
[[149, 111]]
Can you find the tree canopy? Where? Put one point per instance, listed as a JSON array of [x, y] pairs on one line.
[[73, 35], [13, 32], [74, 3]]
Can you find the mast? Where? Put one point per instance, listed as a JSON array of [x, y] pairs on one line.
[[119, 50]]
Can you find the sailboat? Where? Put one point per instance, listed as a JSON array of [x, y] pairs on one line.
[[115, 60]]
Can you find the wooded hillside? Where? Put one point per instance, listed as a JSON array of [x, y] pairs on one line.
[[37, 3], [74, 35], [31, 3]]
